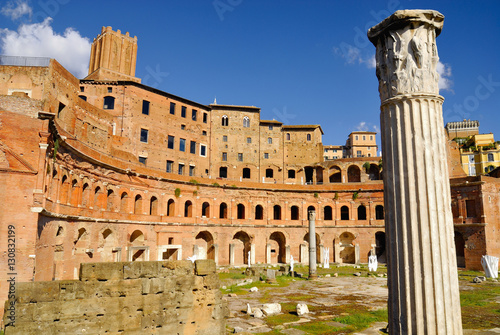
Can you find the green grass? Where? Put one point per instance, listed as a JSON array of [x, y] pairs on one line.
[[363, 319], [479, 308]]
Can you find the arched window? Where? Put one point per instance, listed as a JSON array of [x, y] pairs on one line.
[[205, 210], [110, 205], [225, 121], [379, 212], [490, 158], [241, 211], [153, 206], [109, 103], [96, 203], [294, 212], [85, 194], [288, 136], [138, 204], [344, 213], [308, 137], [188, 209], [84, 98], [259, 212], [327, 213], [246, 122], [353, 174], [223, 211], [246, 173], [277, 212], [269, 140], [171, 207], [124, 202], [361, 212]]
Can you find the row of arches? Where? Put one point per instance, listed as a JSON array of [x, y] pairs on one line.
[[105, 198]]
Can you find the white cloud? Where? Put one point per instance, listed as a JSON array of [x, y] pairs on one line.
[[352, 55], [366, 126], [39, 40], [444, 70], [16, 9], [362, 126]]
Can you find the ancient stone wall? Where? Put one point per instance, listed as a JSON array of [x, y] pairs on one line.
[[173, 297]]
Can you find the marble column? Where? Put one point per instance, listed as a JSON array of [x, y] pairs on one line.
[[423, 280], [312, 245]]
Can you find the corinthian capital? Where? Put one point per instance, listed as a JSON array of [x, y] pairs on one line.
[[406, 53]]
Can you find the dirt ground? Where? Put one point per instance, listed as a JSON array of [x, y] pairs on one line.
[[326, 299]]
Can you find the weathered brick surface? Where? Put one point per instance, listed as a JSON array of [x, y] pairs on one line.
[[115, 303]]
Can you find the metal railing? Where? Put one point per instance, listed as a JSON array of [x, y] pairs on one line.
[[24, 61]]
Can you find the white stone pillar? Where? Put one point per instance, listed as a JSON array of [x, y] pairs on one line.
[[231, 254], [423, 281], [312, 245]]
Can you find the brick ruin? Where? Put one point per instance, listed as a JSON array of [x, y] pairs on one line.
[[106, 169], [171, 297]]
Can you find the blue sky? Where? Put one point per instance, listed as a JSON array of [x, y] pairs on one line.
[[301, 62]]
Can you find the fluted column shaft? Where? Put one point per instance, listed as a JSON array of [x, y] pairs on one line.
[[312, 245], [423, 279]]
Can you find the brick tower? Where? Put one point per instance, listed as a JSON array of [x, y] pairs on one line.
[[113, 56]]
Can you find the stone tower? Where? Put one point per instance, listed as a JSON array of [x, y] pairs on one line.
[[113, 56]]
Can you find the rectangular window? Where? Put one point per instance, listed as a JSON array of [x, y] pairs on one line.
[[110, 89], [356, 137], [171, 142], [364, 138], [470, 208], [224, 156], [240, 157], [183, 111], [194, 114], [145, 107], [170, 166], [191, 170], [249, 140], [144, 135], [270, 127], [371, 137], [192, 147], [204, 133], [205, 117], [82, 89], [203, 150], [359, 153], [270, 140], [142, 160], [182, 144], [266, 155], [172, 108], [181, 168], [183, 126], [224, 138]]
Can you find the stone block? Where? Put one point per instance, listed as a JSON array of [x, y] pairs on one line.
[[271, 309], [175, 268], [133, 270], [204, 267], [71, 289], [101, 271], [302, 309], [211, 281], [42, 291]]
